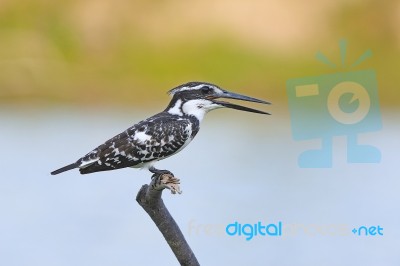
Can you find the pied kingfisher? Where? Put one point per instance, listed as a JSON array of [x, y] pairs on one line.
[[163, 134]]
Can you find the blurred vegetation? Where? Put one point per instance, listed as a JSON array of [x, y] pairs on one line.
[[121, 52]]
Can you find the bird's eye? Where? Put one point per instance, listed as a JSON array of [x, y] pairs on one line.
[[206, 90]]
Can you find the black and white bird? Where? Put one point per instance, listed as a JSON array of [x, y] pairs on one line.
[[163, 134]]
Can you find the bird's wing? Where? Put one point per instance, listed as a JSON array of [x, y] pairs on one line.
[[152, 139]]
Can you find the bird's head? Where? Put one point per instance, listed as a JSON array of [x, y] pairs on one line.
[[198, 98]]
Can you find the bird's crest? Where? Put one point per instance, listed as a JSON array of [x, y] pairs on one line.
[[193, 85]]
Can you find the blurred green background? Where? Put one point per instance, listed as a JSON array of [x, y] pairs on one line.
[[127, 53]]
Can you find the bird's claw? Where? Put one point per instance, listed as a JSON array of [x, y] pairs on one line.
[[160, 172], [166, 180]]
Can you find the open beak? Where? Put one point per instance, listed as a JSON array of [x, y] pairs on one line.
[[236, 96]]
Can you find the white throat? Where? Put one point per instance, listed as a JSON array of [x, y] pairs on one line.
[[198, 108]]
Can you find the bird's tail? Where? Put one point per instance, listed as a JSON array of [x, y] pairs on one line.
[[65, 168]]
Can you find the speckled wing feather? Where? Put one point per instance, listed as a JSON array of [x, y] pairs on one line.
[[150, 140]]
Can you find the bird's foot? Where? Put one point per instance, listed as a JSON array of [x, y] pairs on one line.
[[156, 171], [167, 180]]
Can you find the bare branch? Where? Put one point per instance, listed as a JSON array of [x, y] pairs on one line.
[[149, 197]]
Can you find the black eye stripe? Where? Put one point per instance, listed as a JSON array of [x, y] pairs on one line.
[[206, 90]]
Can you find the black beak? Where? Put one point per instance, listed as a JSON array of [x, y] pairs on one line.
[[236, 96]]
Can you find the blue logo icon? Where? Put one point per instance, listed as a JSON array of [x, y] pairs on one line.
[[344, 103]]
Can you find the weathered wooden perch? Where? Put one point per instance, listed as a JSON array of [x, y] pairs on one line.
[[149, 197]]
